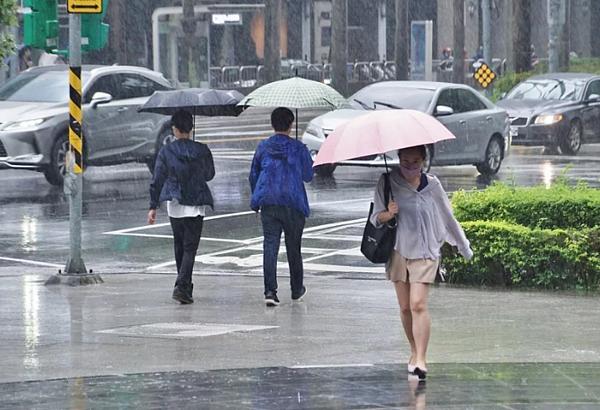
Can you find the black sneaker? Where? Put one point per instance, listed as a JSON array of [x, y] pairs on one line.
[[271, 299], [302, 295], [183, 294]]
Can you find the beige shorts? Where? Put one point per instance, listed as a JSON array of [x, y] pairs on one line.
[[401, 269]]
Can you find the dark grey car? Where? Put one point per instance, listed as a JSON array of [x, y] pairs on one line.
[[34, 118], [555, 110]]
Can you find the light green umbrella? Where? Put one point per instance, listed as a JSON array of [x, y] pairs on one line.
[[295, 93]]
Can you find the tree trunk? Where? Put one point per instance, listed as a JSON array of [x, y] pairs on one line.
[[458, 66], [522, 35], [188, 23], [595, 27], [401, 40], [272, 47], [117, 11], [339, 45], [565, 40]]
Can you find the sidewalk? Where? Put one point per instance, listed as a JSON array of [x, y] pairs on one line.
[[130, 325]]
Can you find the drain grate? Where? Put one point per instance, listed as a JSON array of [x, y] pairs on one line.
[[181, 330]]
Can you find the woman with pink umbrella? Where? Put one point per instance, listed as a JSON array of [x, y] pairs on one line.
[[418, 204]]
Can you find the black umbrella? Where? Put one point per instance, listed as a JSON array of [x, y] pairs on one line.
[[197, 101]]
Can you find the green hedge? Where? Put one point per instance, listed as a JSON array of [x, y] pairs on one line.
[[513, 255], [541, 237], [559, 206]]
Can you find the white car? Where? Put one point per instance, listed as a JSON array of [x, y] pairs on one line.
[[481, 128]]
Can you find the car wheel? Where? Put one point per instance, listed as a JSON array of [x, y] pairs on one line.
[[571, 143], [55, 172], [428, 159], [493, 158], [165, 138], [325, 171]]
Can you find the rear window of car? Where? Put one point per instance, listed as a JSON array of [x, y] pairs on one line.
[[547, 89], [42, 87], [401, 97]]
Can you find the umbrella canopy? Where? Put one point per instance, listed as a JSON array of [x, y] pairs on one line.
[[197, 101], [295, 93], [380, 132]]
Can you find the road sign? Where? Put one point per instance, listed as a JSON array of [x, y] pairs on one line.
[[84, 6], [484, 75]]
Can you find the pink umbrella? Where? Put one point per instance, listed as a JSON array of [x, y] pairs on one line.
[[380, 132]]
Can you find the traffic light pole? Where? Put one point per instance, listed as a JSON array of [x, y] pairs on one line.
[[75, 270]]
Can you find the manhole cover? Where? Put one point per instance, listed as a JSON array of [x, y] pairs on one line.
[[181, 330]]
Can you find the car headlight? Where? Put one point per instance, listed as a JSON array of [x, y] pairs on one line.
[[27, 124], [548, 119], [314, 130]]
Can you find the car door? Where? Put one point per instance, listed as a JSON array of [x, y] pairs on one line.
[[138, 127], [480, 122], [590, 113], [452, 151], [101, 122]]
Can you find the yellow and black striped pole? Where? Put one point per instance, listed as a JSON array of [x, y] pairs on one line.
[[75, 120]]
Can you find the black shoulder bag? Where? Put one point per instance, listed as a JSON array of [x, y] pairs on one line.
[[378, 243]]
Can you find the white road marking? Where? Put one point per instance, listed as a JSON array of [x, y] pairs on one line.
[[208, 218], [348, 252], [30, 262], [210, 257]]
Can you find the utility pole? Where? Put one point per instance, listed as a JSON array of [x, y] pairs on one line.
[[188, 24], [522, 35], [272, 44], [458, 66], [401, 40], [339, 45], [75, 270]]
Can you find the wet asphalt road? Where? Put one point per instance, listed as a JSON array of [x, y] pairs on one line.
[[116, 238]]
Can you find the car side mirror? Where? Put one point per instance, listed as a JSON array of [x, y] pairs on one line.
[[443, 111], [503, 96], [100, 98], [594, 98]]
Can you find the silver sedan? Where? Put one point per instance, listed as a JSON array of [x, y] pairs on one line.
[[34, 118], [481, 128]]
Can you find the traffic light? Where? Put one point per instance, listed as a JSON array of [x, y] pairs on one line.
[[41, 25], [94, 33]]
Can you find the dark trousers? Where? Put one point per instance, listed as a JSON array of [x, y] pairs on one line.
[[276, 219], [186, 232]]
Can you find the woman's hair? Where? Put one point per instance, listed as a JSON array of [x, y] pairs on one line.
[[421, 150]]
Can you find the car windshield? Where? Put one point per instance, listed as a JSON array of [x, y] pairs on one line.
[[42, 87], [547, 89], [381, 98]]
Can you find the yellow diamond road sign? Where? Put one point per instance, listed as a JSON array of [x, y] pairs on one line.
[[84, 6], [484, 75]]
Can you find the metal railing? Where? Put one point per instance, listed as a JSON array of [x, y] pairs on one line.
[[358, 72]]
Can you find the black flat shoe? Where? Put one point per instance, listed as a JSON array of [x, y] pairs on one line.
[[422, 373]]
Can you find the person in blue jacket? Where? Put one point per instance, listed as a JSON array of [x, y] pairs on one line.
[[280, 167], [182, 171]]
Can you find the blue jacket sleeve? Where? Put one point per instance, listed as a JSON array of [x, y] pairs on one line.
[[308, 172], [158, 180], [255, 169]]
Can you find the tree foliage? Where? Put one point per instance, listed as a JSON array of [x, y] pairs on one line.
[[8, 18]]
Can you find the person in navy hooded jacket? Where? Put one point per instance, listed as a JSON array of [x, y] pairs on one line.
[[280, 167], [182, 171]]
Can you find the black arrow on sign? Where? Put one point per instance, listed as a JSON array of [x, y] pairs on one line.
[[84, 6]]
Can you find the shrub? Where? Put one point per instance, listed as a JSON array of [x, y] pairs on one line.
[[559, 206], [513, 255], [543, 237]]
